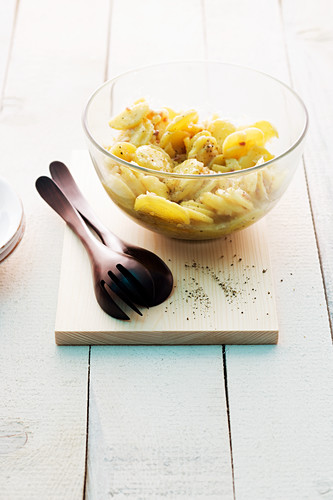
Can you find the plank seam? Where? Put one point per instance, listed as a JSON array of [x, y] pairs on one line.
[[108, 41], [204, 28], [225, 376], [307, 184], [318, 251], [87, 429], [10, 50]]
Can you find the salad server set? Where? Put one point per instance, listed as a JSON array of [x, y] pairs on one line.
[[123, 274]]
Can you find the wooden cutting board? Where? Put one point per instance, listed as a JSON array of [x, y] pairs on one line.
[[223, 291]]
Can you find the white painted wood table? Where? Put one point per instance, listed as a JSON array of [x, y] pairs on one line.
[[244, 422]]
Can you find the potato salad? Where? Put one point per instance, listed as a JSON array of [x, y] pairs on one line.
[[183, 194]]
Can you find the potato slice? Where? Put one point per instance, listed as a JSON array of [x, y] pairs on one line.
[[239, 143], [190, 166], [238, 200], [119, 190], [216, 203], [132, 180], [142, 133], [198, 216], [153, 157], [123, 150], [253, 156], [182, 121], [130, 117], [176, 139], [261, 192], [154, 185], [267, 129], [171, 112], [207, 186], [204, 149], [198, 207], [157, 206], [248, 183], [220, 129], [228, 202], [185, 189], [232, 165], [201, 133]]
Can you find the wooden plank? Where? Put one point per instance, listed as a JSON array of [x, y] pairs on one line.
[[58, 57], [309, 37], [159, 428], [221, 294], [7, 25], [276, 394], [157, 437], [151, 32]]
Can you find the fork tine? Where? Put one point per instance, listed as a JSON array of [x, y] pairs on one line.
[[117, 291], [135, 282], [108, 304], [130, 285], [130, 291]]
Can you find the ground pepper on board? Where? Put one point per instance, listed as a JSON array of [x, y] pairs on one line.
[[233, 284]]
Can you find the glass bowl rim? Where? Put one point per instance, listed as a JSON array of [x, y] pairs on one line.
[[193, 176]]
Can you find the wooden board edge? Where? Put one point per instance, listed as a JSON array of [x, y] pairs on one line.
[[169, 338]]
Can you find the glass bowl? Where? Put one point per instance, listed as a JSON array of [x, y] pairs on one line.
[[191, 206]]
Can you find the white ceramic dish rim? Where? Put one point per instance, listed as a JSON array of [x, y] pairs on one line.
[[17, 215], [14, 242]]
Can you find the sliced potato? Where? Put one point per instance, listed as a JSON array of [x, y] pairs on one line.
[[239, 143], [118, 189], [157, 206], [198, 207], [153, 157], [204, 149], [142, 133], [220, 129], [154, 185], [123, 150], [253, 156], [238, 200], [216, 203], [228, 202], [185, 189], [190, 166], [267, 129], [171, 113], [261, 192], [207, 186], [248, 183], [198, 216], [176, 139], [182, 121], [130, 117], [132, 180]]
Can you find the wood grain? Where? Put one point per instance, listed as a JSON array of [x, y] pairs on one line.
[[161, 432], [223, 289], [8, 10], [58, 55], [309, 36], [276, 394]]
